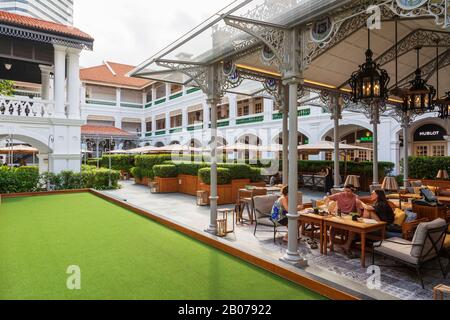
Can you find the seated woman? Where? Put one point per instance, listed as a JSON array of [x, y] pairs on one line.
[[281, 208], [379, 211]]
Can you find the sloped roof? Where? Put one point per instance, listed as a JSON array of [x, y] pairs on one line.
[[43, 25], [112, 73], [92, 130]]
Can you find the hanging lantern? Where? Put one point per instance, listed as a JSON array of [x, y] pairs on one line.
[[419, 97], [444, 107], [370, 82]]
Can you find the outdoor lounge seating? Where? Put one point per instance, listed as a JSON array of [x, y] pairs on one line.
[[426, 245], [263, 208]]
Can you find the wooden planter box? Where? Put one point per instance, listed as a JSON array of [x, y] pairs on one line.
[[167, 185], [224, 193], [144, 181], [236, 185], [188, 184], [442, 184]]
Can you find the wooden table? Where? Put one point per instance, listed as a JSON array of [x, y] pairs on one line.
[[361, 228], [314, 219]]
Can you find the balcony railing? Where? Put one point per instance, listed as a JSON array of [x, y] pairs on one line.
[[25, 107]]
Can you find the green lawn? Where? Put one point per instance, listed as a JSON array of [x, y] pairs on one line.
[[121, 256]]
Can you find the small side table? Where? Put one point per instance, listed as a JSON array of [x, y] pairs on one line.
[[440, 291], [223, 215]]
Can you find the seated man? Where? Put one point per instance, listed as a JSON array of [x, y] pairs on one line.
[[347, 201]]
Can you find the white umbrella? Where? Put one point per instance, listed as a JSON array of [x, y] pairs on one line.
[[118, 152], [178, 148], [147, 149], [19, 149], [239, 147], [325, 146]]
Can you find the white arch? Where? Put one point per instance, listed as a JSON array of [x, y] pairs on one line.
[[275, 138], [34, 139], [345, 122]]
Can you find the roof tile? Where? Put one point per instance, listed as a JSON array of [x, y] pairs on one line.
[[43, 25]]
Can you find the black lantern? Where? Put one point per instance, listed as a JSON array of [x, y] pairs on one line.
[[444, 107], [370, 82], [419, 97]]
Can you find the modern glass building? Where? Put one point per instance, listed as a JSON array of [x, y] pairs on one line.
[[60, 11]]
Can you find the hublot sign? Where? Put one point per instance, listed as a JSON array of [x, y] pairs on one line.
[[430, 132]]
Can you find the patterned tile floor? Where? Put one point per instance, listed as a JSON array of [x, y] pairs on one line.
[[396, 283]]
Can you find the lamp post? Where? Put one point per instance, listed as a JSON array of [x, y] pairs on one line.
[[51, 139]]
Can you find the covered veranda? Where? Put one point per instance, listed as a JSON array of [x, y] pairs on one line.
[[289, 49]]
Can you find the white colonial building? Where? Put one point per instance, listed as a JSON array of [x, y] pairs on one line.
[[42, 58]]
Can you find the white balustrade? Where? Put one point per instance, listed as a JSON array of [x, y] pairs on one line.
[[25, 107]]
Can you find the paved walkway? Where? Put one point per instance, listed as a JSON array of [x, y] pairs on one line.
[[336, 269]]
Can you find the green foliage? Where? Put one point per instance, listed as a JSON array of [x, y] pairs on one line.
[[256, 175], [223, 176], [190, 168], [427, 167], [238, 171], [119, 162], [144, 164], [6, 88], [17, 180], [93, 162], [28, 179], [165, 171]]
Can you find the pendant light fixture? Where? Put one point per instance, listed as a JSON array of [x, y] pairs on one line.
[[419, 98], [370, 83]]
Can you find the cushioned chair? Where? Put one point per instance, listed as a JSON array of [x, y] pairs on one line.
[[426, 245], [263, 211]]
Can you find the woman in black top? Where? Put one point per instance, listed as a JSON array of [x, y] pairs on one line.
[[380, 210]]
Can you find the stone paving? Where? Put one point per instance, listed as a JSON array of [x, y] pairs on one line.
[[396, 283]]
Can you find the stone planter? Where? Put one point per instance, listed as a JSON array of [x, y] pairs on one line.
[[167, 185]]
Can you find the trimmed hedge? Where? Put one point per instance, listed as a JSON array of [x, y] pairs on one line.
[[427, 167], [223, 176], [256, 175], [165, 171], [17, 180], [119, 162], [144, 165], [28, 179], [190, 169]]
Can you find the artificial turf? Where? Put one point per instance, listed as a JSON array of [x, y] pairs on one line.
[[121, 256]]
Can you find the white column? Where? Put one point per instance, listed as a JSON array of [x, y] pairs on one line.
[[74, 83], [395, 153], [206, 112], [268, 109], [143, 129], [184, 119], [60, 78], [285, 133], [337, 140], [168, 122], [153, 126], [118, 97], [375, 122], [232, 102], [45, 81], [292, 255], [153, 93], [168, 90], [118, 122], [212, 103]]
